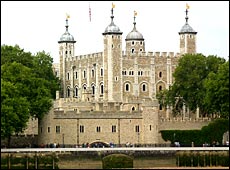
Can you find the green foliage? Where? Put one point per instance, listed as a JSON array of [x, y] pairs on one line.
[[213, 132], [200, 81], [117, 161], [28, 86], [217, 90]]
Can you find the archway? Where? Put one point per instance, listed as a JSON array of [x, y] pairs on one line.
[[99, 144]]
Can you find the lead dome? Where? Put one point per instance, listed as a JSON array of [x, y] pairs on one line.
[[66, 37]]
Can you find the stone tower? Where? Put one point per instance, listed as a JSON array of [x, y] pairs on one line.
[[134, 40], [187, 37], [112, 63], [66, 52]]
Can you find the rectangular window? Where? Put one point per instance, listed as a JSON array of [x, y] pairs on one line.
[[137, 128], [48, 129], [58, 129], [76, 75], [98, 129], [150, 127], [81, 129], [113, 128], [67, 76]]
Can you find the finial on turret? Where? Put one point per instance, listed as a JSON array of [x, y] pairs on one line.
[[134, 22], [186, 12], [67, 17], [113, 6]]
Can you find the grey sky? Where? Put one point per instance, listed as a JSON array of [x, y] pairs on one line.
[[38, 25]]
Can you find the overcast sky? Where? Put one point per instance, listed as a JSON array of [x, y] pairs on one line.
[[38, 25]]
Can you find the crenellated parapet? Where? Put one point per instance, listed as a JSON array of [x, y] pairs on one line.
[[86, 56], [151, 54]]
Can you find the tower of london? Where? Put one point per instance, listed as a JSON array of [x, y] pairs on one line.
[[110, 96]]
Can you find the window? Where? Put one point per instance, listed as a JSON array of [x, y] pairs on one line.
[[144, 87], [112, 45], [132, 50], [101, 72], [76, 75], [150, 127], [126, 87], [84, 74], [92, 73], [116, 78], [133, 108], [84, 87], [137, 128], [102, 89], [68, 92], [160, 74], [76, 92], [160, 88], [141, 42], [67, 76], [132, 42], [81, 129], [123, 72], [48, 129], [140, 49], [113, 128], [66, 52], [58, 129], [98, 129], [140, 73], [93, 90], [69, 52]]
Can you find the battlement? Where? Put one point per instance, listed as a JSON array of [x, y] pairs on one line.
[[87, 56], [152, 54]]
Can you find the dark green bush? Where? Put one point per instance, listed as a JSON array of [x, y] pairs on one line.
[[117, 161]]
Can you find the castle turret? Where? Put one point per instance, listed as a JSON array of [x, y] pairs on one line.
[[187, 37], [134, 40], [66, 50], [112, 62]]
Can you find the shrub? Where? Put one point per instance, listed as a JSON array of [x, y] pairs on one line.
[[117, 161]]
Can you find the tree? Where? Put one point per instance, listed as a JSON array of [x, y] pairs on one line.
[[14, 105], [28, 86], [217, 91], [190, 75]]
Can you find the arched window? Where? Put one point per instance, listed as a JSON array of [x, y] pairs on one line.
[[76, 91], [133, 108], [93, 90], [132, 50], [127, 88], [160, 88], [101, 88], [92, 73], [101, 72], [160, 74], [144, 87], [84, 74], [68, 91], [84, 88], [68, 76]]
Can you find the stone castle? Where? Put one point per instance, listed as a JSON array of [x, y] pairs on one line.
[[111, 96]]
